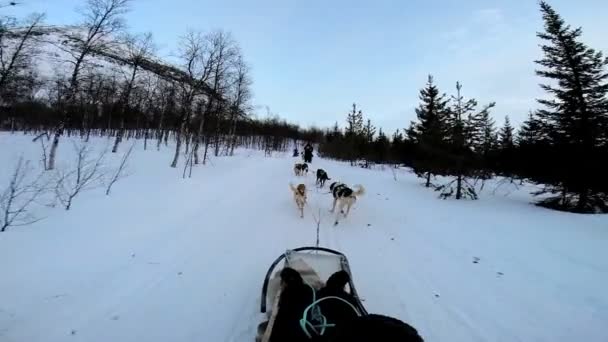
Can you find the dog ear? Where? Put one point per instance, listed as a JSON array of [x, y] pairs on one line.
[[338, 280], [291, 277]]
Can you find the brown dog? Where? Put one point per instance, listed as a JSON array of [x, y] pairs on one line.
[[299, 195]]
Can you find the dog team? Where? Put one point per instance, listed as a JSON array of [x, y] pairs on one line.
[[344, 196]]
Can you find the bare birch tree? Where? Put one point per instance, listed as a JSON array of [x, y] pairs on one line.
[[85, 175], [138, 49], [17, 48], [120, 171], [197, 59], [20, 195], [102, 18], [226, 51], [40, 138], [240, 97]]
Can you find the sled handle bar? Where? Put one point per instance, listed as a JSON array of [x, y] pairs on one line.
[[343, 262]]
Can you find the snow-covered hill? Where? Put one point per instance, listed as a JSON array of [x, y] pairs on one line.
[[171, 259]]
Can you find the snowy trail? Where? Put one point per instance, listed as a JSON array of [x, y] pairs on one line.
[[183, 260], [171, 278]]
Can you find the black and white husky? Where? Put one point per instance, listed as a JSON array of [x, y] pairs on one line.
[[344, 197]]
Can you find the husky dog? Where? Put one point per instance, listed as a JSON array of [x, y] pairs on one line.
[[300, 169], [344, 197], [299, 195]]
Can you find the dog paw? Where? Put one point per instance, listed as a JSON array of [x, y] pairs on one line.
[[336, 223]]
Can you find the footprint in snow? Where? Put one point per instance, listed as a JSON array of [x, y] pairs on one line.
[[476, 260], [499, 274]]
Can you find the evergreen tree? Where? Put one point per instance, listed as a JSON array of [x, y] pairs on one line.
[[505, 135], [369, 131], [531, 132], [483, 132], [484, 141], [367, 141], [396, 152], [465, 128], [575, 118], [505, 160], [430, 132], [353, 134], [333, 145], [381, 148], [530, 141], [354, 121]]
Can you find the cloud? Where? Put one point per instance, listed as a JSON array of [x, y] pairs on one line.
[[483, 25], [488, 16], [483, 54]]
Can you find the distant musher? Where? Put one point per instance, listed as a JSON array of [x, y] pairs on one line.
[[308, 153]]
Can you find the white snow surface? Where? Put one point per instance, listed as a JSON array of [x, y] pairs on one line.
[[170, 259]]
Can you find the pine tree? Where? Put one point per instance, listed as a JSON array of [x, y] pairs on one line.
[[533, 151], [465, 126], [369, 131], [353, 134], [381, 148], [531, 132], [484, 141], [505, 135], [397, 137], [430, 132], [575, 117], [354, 121], [396, 150], [505, 154], [333, 144], [367, 141], [482, 132], [336, 130]]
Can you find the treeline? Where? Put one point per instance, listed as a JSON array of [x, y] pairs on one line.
[[111, 83], [563, 146], [97, 79], [361, 143]]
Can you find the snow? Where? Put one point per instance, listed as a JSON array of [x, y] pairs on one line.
[[171, 259]]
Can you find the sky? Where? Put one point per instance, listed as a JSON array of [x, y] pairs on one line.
[[311, 60]]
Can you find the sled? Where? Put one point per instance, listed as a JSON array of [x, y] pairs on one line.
[[315, 265]]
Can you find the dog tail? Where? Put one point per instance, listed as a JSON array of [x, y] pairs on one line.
[[360, 191]]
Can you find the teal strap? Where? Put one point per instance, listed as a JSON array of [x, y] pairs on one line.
[[305, 324]]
